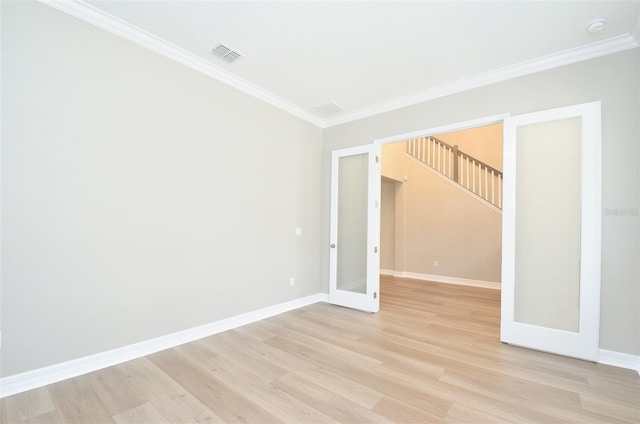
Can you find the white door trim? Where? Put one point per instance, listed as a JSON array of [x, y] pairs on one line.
[[458, 126]]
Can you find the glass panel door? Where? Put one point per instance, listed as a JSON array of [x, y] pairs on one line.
[[551, 231], [354, 260], [547, 268], [353, 180]]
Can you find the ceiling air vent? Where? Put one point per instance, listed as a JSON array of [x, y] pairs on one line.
[[226, 53], [327, 109]]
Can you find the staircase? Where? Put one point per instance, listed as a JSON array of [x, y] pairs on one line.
[[470, 173]]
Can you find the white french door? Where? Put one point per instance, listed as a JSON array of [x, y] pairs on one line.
[[354, 271], [551, 231]]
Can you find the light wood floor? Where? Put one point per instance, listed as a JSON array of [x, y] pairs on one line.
[[431, 355]]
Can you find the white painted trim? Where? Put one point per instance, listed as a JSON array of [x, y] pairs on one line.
[[121, 28], [389, 272], [457, 186], [443, 279], [543, 63], [43, 376], [619, 359], [457, 126]]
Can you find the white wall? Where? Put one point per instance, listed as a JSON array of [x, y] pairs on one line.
[[139, 197], [612, 79]]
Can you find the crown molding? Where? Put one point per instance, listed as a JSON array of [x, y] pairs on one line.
[[119, 27], [543, 63]]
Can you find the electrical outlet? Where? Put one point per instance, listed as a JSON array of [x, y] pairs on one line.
[[435, 263], [292, 281]]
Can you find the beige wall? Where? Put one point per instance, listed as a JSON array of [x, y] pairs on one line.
[[139, 197], [437, 221], [387, 225], [612, 79], [483, 143], [393, 161]]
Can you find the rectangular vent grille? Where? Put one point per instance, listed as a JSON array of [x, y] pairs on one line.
[[327, 109], [226, 53]]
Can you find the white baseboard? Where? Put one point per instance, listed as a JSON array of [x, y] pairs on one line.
[[442, 279], [619, 359], [43, 376]]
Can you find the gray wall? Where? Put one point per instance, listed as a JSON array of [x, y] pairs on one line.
[[613, 80], [139, 197]]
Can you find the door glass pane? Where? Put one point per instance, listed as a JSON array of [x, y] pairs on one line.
[[547, 250], [352, 223]]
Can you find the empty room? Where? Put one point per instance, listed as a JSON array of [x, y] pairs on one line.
[[319, 211]]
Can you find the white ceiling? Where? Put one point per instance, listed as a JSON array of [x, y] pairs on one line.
[[368, 57]]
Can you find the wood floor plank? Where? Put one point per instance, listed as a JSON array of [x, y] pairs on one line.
[[142, 414], [256, 389], [77, 402], [339, 408], [392, 387], [402, 412], [432, 354], [115, 391], [358, 393], [25, 407], [611, 408], [171, 399], [242, 351], [225, 401]]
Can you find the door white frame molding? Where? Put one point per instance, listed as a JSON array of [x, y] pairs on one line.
[[457, 126]]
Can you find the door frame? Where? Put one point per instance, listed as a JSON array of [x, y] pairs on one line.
[[596, 161], [433, 131]]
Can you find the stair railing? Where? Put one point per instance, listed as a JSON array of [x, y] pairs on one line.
[[474, 175]]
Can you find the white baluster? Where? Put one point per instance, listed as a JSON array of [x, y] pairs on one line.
[[426, 146], [493, 196], [473, 166], [486, 183], [467, 158]]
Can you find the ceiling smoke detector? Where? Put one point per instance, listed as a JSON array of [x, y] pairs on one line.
[[597, 25], [225, 53]]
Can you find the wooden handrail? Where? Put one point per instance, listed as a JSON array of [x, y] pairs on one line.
[[470, 173], [479, 162], [465, 155]]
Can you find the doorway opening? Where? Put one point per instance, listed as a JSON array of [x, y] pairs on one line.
[[441, 200]]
